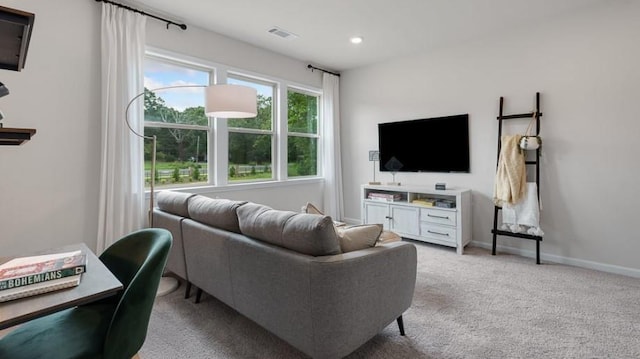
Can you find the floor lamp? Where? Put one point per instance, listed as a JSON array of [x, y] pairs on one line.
[[225, 101]]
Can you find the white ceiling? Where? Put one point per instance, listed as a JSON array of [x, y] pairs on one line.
[[391, 28]]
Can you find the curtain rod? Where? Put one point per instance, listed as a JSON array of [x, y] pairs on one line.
[[323, 70], [169, 22]]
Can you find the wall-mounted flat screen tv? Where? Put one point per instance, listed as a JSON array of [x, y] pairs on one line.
[[439, 144]]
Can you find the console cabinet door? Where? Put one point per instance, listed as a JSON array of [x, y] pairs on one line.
[[376, 213], [404, 220]]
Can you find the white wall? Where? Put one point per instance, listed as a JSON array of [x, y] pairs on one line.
[[48, 186], [587, 68]]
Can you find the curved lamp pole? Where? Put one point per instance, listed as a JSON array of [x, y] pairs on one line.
[[228, 101]]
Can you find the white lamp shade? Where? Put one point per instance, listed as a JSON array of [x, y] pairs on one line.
[[230, 101]]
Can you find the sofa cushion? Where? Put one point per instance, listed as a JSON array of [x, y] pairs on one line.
[[174, 202], [310, 234], [219, 213], [353, 238]]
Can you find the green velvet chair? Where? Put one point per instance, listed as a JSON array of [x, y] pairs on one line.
[[113, 328]]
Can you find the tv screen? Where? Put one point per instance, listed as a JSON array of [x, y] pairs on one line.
[[439, 144]]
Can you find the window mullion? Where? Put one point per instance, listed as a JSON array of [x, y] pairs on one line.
[[250, 130], [180, 126], [281, 130], [221, 133], [298, 134]]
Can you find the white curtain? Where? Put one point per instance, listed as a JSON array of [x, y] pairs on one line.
[[122, 197], [333, 203]]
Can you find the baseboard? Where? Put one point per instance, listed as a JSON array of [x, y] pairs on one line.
[[603, 267], [609, 268]]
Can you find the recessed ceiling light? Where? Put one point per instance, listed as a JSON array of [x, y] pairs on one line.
[[356, 39]]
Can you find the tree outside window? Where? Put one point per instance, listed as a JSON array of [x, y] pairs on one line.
[[176, 117], [251, 139], [302, 140]]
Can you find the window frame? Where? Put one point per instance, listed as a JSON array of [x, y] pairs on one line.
[[245, 130], [211, 71], [218, 132], [317, 135]]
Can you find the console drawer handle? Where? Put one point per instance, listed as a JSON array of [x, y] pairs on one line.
[[442, 217], [442, 234], [387, 217]]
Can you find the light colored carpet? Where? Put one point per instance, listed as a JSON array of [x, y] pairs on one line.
[[470, 306]]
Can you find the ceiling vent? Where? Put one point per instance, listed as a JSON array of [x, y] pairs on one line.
[[282, 33]]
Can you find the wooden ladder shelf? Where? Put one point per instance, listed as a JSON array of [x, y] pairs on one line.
[[535, 163]]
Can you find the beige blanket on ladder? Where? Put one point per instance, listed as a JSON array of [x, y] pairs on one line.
[[511, 176]]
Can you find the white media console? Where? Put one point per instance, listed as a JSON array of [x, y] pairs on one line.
[[394, 207]]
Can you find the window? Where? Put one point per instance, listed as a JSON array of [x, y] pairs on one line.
[[192, 150], [251, 140], [302, 129], [176, 117]]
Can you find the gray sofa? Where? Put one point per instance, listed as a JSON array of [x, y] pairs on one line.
[[286, 271]]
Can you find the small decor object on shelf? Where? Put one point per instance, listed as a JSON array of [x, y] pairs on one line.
[[393, 165], [373, 157], [4, 91], [441, 186], [528, 141], [445, 203]]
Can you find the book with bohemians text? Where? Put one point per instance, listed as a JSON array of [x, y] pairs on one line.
[[28, 271]]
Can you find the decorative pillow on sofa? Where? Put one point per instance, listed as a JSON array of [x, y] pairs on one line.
[[311, 209], [174, 202], [310, 234], [353, 238], [388, 237], [220, 213]]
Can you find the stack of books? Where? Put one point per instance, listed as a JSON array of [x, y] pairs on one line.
[[27, 276], [427, 202], [445, 203], [386, 197]]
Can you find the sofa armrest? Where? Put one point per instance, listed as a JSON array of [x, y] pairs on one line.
[[355, 295], [173, 223]]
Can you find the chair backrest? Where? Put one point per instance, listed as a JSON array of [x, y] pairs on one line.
[[138, 261]]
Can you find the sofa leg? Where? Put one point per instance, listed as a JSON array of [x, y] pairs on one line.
[[400, 325], [187, 291], [198, 295]]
